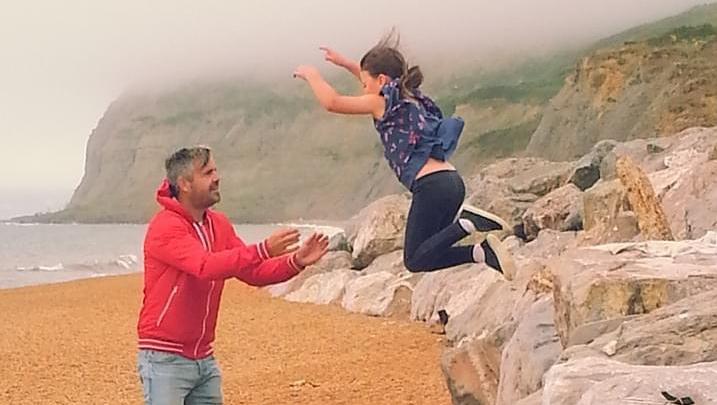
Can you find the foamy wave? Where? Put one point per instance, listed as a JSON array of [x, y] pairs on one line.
[[327, 229], [126, 261], [20, 223], [56, 267], [123, 262]]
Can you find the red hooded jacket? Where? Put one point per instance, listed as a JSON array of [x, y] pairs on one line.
[[185, 265]]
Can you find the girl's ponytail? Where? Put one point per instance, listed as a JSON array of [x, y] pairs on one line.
[[411, 81]]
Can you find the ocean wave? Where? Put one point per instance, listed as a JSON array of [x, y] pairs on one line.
[[44, 224], [20, 223], [122, 263], [327, 229], [56, 267]]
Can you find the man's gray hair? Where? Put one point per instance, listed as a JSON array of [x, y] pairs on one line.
[[181, 164]]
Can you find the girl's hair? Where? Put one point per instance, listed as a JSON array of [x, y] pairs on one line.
[[384, 58]]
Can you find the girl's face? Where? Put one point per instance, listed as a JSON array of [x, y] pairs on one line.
[[372, 85]]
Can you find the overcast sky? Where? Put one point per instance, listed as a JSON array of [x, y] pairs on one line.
[[63, 62]]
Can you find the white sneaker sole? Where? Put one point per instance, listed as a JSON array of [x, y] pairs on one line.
[[504, 257]]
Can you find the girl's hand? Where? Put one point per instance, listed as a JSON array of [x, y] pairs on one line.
[[334, 57], [304, 72]]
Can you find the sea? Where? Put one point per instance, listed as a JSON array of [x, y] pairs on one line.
[[34, 254]]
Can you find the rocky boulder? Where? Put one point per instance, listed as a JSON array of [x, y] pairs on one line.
[[650, 154], [479, 334], [390, 262], [325, 288], [561, 210], [683, 333], [549, 243], [587, 169], [495, 195], [533, 349], [339, 242], [622, 228], [451, 290], [680, 173], [332, 261], [602, 203], [472, 367], [596, 381], [613, 281], [508, 188], [651, 218], [379, 229], [379, 294], [542, 178], [691, 204], [533, 399]]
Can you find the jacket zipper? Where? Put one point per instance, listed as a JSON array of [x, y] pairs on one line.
[[204, 323], [166, 306], [207, 245]]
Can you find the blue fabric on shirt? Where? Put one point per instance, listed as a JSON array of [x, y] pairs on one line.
[[412, 132]]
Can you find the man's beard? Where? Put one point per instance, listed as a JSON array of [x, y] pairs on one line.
[[215, 197]]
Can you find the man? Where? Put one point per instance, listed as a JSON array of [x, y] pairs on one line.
[[189, 251]]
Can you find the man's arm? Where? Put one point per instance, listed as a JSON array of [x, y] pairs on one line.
[[171, 243], [282, 268], [271, 271]]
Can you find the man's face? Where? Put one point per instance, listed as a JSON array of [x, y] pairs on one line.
[[202, 189]]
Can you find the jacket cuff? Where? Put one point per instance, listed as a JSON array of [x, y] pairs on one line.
[[262, 250], [294, 264]]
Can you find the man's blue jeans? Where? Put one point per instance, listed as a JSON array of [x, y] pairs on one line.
[[170, 379]]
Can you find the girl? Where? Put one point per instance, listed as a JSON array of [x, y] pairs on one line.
[[417, 143]]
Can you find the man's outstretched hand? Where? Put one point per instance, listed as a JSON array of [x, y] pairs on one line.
[[313, 249], [282, 242]]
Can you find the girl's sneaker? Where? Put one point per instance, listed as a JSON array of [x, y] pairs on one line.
[[498, 257], [482, 220]]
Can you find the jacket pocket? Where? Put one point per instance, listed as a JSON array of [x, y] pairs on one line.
[[167, 305]]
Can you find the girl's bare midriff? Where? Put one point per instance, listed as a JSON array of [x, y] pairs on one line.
[[432, 166]]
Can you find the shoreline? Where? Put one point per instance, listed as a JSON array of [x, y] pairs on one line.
[[69, 279], [20, 273], [307, 223]]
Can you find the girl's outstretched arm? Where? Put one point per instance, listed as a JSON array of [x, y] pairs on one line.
[[333, 102], [339, 60]]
